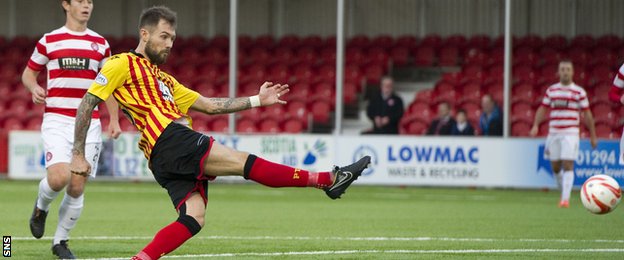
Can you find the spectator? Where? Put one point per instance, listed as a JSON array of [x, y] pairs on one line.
[[462, 126], [491, 121], [385, 109], [444, 124]]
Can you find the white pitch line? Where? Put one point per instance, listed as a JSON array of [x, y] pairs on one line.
[[347, 252], [451, 239]]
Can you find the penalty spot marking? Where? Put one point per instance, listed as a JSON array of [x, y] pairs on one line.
[[351, 252]]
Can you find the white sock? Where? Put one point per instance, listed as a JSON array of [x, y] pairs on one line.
[[69, 212], [46, 195], [567, 183]]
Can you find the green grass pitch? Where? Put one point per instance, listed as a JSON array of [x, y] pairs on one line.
[[252, 221]]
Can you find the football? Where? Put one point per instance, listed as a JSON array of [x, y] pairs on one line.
[[600, 194]]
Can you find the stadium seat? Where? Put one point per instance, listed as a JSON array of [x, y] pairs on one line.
[[602, 73], [520, 129], [264, 42], [456, 40], [448, 56], [377, 55], [578, 55], [354, 56], [584, 41], [268, 126], [297, 109], [557, 42], [220, 125], [374, 73], [424, 56], [424, 95], [273, 112], [416, 127], [532, 41], [432, 40], [358, 41], [610, 41], [13, 123], [603, 113], [383, 41], [399, 56], [308, 55], [479, 41], [293, 126], [473, 110], [603, 130], [320, 110], [524, 92], [475, 56], [471, 92], [406, 41], [312, 41], [290, 41], [246, 126]]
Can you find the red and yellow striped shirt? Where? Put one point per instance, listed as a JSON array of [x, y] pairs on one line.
[[151, 98]]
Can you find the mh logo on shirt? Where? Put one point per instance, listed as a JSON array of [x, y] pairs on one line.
[[74, 63], [166, 93]]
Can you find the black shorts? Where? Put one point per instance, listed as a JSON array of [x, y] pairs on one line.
[[176, 162]]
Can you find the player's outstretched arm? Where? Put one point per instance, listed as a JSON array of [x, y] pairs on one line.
[[269, 94], [79, 164]]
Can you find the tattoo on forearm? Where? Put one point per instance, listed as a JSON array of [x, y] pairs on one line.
[[229, 105], [83, 121]]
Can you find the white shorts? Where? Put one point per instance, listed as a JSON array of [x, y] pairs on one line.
[[57, 133], [562, 147]]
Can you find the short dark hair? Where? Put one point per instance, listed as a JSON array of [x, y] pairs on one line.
[[152, 16], [68, 1], [461, 111], [566, 61]]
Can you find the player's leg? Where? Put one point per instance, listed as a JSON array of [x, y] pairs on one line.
[[223, 161], [72, 204], [56, 179], [188, 224], [569, 152], [553, 153], [556, 169]]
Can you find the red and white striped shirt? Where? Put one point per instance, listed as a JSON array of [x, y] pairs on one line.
[[565, 103], [72, 60]]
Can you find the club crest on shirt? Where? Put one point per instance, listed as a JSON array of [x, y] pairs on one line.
[[95, 46], [390, 102], [166, 93]]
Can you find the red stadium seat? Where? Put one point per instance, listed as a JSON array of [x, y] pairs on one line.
[[424, 56], [471, 93], [308, 55], [354, 56], [377, 55], [456, 40], [557, 42], [293, 126], [359, 41], [264, 41], [584, 41], [603, 130], [479, 41], [579, 56], [448, 56], [399, 56], [304, 73], [259, 55], [220, 125], [320, 110], [522, 111], [424, 95], [432, 40], [551, 55], [246, 126], [383, 41], [524, 92], [416, 127], [473, 110], [268, 126], [19, 106], [406, 41], [312, 41], [532, 41], [274, 112], [520, 129], [297, 109], [475, 56], [289, 41], [374, 73], [602, 73], [284, 56], [604, 114], [13, 123]]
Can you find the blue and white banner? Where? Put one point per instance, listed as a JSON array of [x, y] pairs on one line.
[[602, 160], [397, 160]]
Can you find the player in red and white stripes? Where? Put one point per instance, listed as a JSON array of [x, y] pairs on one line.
[[615, 95], [72, 55], [566, 101]]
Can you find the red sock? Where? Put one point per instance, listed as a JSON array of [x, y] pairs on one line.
[[166, 240], [278, 175]]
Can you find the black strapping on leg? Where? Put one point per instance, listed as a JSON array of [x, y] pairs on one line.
[[248, 164], [190, 223]]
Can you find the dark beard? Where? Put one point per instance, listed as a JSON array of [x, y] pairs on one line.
[[156, 58]]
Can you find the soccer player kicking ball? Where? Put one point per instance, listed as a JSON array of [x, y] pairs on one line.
[[566, 101], [181, 159], [72, 55]]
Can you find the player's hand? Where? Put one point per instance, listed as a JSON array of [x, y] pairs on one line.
[[593, 141], [38, 95], [79, 166], [271, 93], [114, 130], [622, 99], [534, 131]]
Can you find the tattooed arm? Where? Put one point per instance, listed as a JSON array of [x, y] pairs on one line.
[[269, 94], [79, 164]]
